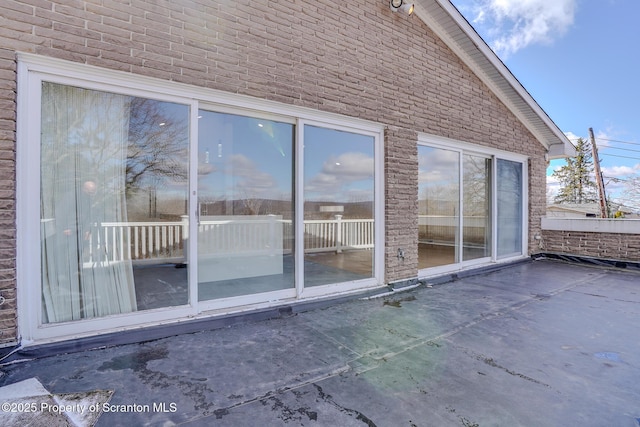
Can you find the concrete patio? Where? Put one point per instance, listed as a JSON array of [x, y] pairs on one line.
[[539, 343]]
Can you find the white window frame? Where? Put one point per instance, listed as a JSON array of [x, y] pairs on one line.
[[463, 148], [33, 69]]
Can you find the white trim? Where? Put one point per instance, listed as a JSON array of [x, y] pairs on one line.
[[272, 297], [457, 145], [494, 208], [378, 207], [592, 225], [459, 251], [193, 212], [27, 209], [246, 112], [299, 210], [525, 208], [337, 288]]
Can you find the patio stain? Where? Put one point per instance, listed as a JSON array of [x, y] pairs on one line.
[[135, 361], [398, 303], [194, 388], [288, 414], [352, 412]]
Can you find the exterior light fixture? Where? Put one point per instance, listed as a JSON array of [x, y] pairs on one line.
[[402, 6]]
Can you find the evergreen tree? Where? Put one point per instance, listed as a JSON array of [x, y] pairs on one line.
[[576, 178]]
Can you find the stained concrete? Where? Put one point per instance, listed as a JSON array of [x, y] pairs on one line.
[[542, 343]]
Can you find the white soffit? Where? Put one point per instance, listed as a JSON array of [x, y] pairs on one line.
[[453, 29]]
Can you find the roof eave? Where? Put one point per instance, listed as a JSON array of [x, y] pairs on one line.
[[454, 30]]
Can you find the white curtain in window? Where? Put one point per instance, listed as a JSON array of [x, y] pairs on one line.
[[83, 169]]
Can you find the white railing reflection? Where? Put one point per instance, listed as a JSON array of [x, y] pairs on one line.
[[265, 234]]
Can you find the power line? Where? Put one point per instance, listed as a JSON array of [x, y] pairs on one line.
[[615, 155], [608, 140], [618, 148], [622, 142]]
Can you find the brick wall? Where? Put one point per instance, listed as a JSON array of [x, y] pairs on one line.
[[7, 196], [355, 58], [401, 203], [613, 246]]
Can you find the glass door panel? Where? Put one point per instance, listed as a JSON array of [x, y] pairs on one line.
[[476, 202], [338, 206], [245, 205], [113, 179], [438, 206], [509, 227]]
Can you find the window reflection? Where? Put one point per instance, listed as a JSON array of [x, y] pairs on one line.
[[476, 232], [509, 227], [245, 203], [338, 206], [438, 206], [113, 197]]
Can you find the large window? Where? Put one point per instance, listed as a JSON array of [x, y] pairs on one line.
[[470, 206]]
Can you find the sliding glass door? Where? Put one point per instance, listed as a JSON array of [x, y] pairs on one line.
[[116, 218], [151, 207], [113, 203], [339, 186], [509, 201], [438, 207], [470, 207], [476, 203], [245, 205]]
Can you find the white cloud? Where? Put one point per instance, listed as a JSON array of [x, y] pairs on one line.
[[338, 174], [553, 187], [517, 24], [572, 136], [620, 171], [251, 181]]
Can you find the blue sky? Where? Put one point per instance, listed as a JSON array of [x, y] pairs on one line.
[[580, 62]]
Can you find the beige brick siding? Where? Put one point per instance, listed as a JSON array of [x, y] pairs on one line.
[[401, 203], [355, 58], [613, 246], [7, 196]]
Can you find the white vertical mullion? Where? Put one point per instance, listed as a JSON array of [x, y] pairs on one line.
[[378, 209], [192, 253], [299, 209], [28, 223], [494, 209], [460, 242], [524, 188]]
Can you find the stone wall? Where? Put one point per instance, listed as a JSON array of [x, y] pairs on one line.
[[612, 239]]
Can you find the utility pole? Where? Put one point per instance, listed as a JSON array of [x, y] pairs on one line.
[[599, 180]]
